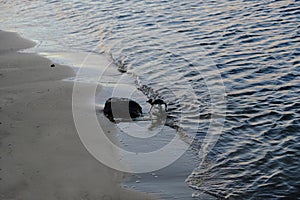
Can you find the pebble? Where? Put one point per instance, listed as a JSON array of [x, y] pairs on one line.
[[52, 65]]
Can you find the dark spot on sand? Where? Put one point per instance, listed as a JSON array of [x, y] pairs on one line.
[[0, 122], [122, 70], [53, 65]]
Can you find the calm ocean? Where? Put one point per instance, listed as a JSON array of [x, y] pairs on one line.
[[184, 51]]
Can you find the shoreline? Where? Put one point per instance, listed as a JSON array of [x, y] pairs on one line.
[[41, 155], [62, 166]]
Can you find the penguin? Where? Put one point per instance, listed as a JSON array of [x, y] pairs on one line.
[[159, 102]]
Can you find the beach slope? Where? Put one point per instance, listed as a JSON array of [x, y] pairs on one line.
[[41, 155]]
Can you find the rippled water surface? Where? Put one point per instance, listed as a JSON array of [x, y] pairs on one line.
[[199, 55]]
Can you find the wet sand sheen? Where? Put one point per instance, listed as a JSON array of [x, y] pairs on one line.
[[41, 155]]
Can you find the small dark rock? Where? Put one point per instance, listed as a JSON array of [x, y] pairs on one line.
[[53, 65], [122, 70], [121, 108]]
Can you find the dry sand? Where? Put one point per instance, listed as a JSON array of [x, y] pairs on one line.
[[41, 155]]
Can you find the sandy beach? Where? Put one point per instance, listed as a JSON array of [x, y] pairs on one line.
[[41, 155]]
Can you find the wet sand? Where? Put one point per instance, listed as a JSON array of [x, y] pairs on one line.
[[41, 155]]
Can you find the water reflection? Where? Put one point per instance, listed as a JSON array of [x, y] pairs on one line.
[[158, 117]]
